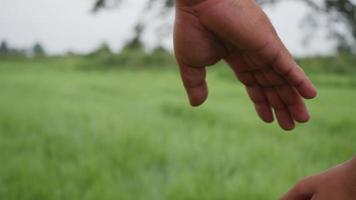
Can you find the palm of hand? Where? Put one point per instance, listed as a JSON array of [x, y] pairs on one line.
[[205, 34]]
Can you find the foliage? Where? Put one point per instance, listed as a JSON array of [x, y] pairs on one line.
[[135, 56], [339, 13], [340, 64], [132, 55], [129, 57], [4, 49], [103, 49], [38, 50], [9, 52]]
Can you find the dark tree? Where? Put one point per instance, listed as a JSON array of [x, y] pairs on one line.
[[4, 49], [135, 43], [339, 13], [159, 8], [38, 50], [104, 48]]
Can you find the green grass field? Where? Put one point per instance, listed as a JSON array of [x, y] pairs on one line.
[[71, 133]]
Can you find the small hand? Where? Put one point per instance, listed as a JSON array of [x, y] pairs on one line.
[[338, 183], [239, 32]]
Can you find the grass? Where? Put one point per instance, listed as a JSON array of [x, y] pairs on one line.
[[69, 133]]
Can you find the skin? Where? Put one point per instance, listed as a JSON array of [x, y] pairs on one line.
[[239, 32], [338, 183]]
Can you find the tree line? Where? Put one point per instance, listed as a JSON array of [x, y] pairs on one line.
[[36, 50]]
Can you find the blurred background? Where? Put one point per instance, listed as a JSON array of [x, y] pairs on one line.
[[91, 105]]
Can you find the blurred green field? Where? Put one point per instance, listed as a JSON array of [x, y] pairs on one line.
[[71, 133]]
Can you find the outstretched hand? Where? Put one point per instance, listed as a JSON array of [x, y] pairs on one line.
[[338, 183], [239, 32]]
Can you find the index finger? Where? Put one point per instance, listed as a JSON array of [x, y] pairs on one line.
[[285, 65]]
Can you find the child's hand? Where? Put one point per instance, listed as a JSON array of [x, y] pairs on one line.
[[239, 32], [338, 183]]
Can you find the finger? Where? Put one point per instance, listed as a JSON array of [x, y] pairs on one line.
[[271, 79], [283, 115], [284, 118], [304, 190], [298, 109], [194, 83], [262, 106], [285, 65], [289, 96], [254, 91]]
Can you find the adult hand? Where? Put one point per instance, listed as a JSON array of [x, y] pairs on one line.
[[239, 32], [338, 183]]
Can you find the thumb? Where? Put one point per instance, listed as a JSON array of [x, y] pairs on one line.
[[194, 83]]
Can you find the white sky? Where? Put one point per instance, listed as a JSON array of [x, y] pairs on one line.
[[62, 25]]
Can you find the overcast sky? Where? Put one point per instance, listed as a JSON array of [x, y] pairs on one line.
[[62, 25]]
